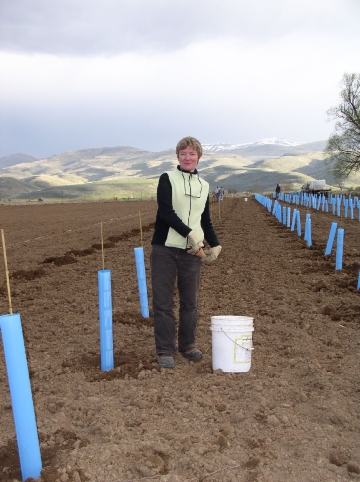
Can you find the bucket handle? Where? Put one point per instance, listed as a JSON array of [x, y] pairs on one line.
[[241, 346]]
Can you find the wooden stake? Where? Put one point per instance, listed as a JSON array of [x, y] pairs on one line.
[[102, 246], [141, 237], [6, 272]]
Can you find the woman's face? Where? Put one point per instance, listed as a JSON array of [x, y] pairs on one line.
[[188, 158]]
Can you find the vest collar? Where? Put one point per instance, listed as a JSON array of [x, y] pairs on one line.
[[187, 172]]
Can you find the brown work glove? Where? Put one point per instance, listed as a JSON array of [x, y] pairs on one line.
[[211, 255]]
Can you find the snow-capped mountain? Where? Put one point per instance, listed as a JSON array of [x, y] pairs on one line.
[[271, 141]]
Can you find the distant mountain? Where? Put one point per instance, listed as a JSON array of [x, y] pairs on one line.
[[13, 159], [243, 167], [267, 148], [271, 141]]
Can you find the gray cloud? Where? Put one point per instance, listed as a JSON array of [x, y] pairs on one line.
[[109, 27], [85, 73]]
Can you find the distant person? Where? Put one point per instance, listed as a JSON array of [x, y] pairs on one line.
[[217, 190], [221, 194], [182, 224], [277, 189]]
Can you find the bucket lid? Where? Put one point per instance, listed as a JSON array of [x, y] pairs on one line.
[[232, 320]]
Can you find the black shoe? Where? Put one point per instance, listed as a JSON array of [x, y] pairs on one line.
[[192, 355], [166, 361]]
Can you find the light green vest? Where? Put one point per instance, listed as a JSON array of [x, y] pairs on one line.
[[188, 207]]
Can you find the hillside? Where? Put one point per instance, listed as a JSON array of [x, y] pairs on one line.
[[17, 158], [10, 187], [130, 171]]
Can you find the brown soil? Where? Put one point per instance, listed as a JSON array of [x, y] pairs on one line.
[[294, 417]]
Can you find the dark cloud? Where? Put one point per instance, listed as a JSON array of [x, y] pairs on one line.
[[222, 70], [91, 27]]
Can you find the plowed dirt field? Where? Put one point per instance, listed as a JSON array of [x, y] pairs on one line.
[[294, 417]]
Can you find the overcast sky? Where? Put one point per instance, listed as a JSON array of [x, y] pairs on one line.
[[145, 73]]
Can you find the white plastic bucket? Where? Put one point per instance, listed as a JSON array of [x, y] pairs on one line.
[[231, 343]]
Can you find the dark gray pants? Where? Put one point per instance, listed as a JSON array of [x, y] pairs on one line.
[[167, 264]]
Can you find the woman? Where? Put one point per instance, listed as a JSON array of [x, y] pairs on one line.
[[182, 223]]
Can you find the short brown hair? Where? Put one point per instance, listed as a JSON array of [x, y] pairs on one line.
[[189, 141]]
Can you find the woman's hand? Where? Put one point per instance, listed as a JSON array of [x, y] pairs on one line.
[[201, 253]]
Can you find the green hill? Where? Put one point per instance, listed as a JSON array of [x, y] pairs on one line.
[[125, 172]]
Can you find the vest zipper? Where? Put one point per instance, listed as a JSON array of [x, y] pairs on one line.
[[189, 202]]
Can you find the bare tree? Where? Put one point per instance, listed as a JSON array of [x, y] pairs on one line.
[[343, 147]]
